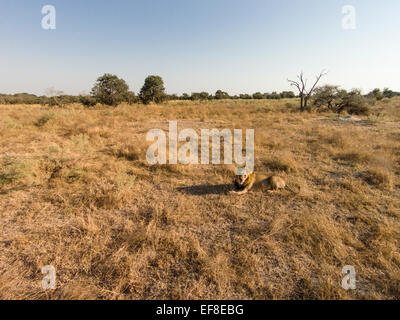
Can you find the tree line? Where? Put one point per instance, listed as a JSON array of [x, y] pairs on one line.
[[112, 90]]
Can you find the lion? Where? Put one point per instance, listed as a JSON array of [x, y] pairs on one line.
[[244, 183]]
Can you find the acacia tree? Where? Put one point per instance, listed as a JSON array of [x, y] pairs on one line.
[[326, 96], [301, 85]]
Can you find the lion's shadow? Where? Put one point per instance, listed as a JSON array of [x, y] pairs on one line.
[[202, 190]]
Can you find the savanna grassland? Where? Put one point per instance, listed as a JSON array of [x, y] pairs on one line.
[[77, 193]]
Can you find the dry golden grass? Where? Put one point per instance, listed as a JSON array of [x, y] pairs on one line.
[[77, 193]]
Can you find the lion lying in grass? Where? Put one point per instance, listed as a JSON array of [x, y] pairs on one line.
[[244, 183]]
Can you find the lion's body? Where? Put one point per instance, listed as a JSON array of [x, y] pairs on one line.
[[274, 183], [246, 182]]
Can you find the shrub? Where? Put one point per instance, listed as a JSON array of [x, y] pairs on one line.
[[44, 119], [337, 100], [87, 101], [352, 102], [12, 170]]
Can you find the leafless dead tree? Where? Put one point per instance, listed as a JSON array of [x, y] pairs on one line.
[[54, 96], [301, 85]]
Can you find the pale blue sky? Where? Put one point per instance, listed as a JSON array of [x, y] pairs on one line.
[[198, 45]]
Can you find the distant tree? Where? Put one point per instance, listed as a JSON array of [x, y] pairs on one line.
[[269, 95], [387, 93], [287, 95], [221, 95], [201, 96], [377, 94], [245, 96], [153, 90], [274, 95], [110, 90], [204, 95], [184, 96], [54, 97], [173, 96], [258, 95], [195, 96], [23, 98], [301, 85]]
